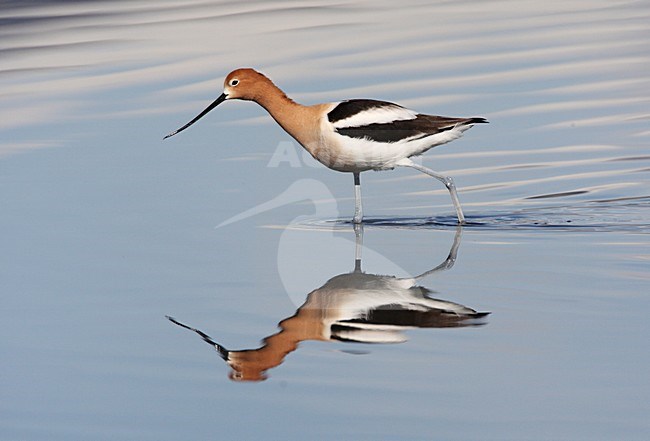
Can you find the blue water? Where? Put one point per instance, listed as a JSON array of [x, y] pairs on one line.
[[105, 229]]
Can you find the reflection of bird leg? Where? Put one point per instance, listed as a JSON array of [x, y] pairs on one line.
[[358, 247], [451, 258]]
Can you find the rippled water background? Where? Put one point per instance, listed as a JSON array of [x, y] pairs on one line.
[[105, 229]]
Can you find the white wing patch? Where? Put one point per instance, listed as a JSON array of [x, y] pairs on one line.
[[376, 115]]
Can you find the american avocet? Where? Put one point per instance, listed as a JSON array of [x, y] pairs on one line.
[[350, 136]]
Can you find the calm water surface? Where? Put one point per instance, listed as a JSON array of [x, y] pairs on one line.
[[105, 230]]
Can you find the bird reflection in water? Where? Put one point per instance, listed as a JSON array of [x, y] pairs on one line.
[[352, 307]]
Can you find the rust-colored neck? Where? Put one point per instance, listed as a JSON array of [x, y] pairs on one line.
[[301, 122]]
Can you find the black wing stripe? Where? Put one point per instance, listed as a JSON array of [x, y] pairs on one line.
[[346, 109], [399, 316], [419, 127], [381, 133], [396, 131]]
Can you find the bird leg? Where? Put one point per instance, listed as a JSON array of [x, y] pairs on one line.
[[358, 210], [448, 181]]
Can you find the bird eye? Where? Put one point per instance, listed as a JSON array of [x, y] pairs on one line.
[[234, 82]]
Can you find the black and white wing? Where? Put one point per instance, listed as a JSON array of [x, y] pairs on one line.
[[385, 122]]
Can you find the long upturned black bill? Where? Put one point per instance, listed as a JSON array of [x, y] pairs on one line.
[[216, 102]]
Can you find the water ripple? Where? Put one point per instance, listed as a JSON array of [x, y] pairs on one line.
[[621, 215]]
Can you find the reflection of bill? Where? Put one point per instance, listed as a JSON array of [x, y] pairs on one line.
[[353, 307]]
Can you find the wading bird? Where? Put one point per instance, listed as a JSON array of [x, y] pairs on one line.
[[350, 136]]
